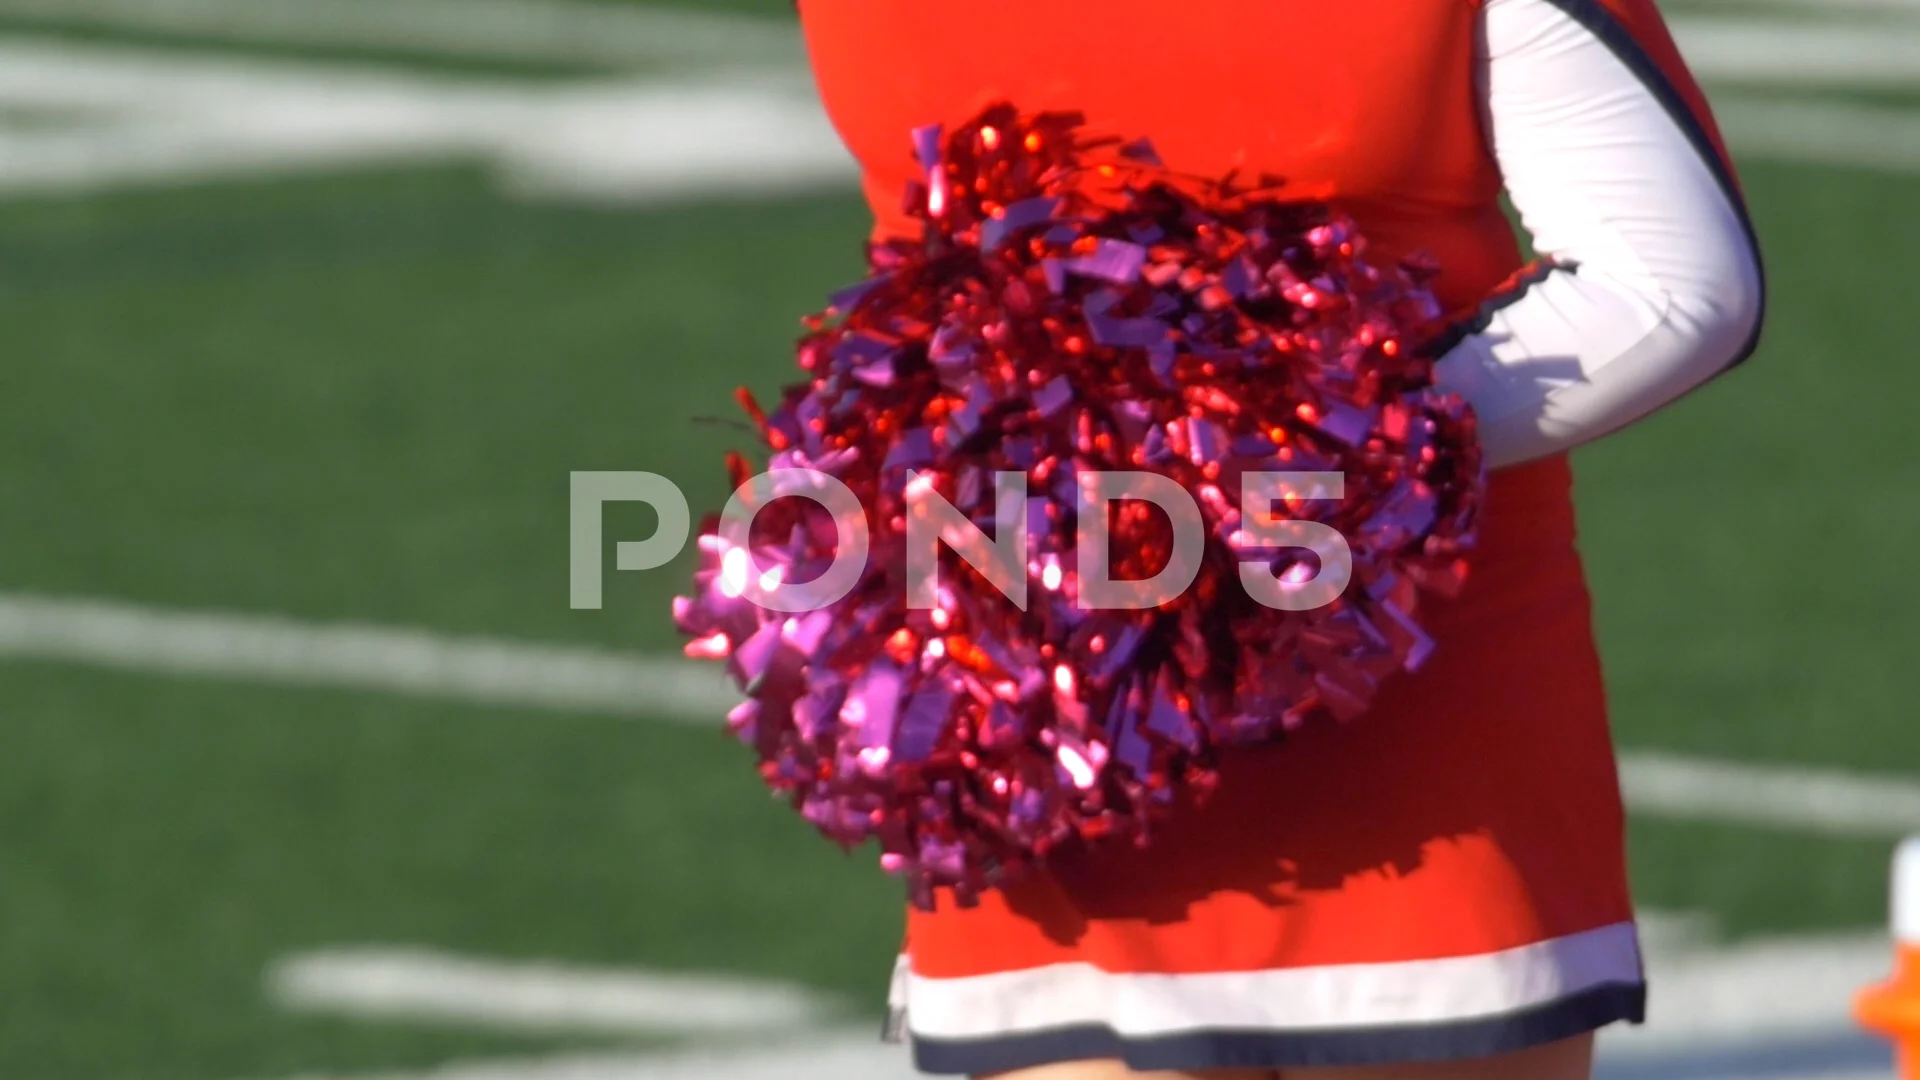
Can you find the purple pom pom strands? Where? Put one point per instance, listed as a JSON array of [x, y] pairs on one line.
[[1075, 310]]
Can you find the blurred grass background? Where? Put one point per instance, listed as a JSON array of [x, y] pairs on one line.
[[355, 395]]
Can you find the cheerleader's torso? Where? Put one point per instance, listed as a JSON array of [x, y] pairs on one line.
[[1454, 857], [1367, 102]]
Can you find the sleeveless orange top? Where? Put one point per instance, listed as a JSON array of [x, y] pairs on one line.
[[1474, 813]]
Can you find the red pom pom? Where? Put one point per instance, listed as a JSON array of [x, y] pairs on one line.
[[1074, 309]]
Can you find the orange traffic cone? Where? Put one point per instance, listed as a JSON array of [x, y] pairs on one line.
[[1893, 1007]]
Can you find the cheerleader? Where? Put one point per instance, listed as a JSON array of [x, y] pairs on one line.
[[1439, 890]]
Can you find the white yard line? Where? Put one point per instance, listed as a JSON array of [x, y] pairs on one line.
[[585, 32], [1724, 45], [1781, 988], [1743, 8], [269, 650], [857, 1055], [254, 648], [146, 116], [1852, 136], [567, 31], [1803, 800], [426, 985], [1786, 52], [848, 1055], [1711, 998]]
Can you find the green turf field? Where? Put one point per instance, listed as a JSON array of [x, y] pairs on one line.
[[357, 397]]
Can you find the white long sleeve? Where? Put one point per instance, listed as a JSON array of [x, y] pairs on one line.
[[1655, 283]]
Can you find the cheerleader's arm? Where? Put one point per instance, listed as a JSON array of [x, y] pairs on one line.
[[1652, 283]]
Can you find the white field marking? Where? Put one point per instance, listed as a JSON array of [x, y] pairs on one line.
[[857, 1055], [1786, 52], [854, 1054], [275, 650], [425, 985], [1707, 993], [1733, 46], [576, 31], [148, 117], [1671, 933], [651, 142], [1708, 996], [263, 649], [566, 31], [1742, 8], [1853, 136], [1819, 801]]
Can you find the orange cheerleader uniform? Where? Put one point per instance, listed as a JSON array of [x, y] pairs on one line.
[[1444, 877]]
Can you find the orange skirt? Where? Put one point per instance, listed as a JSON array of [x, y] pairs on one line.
[[1443, 878]]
